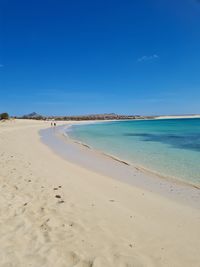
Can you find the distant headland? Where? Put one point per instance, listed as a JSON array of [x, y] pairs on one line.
[[104, 116]]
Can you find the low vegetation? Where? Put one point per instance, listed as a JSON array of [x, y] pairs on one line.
[[4, 116], [106, 116]]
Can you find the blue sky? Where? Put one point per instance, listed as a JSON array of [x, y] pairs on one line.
[[80, 57]]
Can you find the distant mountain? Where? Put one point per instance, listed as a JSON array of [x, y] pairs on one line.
[[33, 115]]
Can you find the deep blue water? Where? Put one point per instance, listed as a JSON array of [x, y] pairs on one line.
[[170, 147]]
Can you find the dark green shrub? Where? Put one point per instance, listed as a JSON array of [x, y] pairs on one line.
[[4, 116]]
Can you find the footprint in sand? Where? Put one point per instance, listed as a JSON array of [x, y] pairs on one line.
[[61, 201]]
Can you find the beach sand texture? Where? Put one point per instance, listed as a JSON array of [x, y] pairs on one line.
[[55, 213]]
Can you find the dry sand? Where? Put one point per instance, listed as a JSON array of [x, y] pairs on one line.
[[55, 213], [178, 116]]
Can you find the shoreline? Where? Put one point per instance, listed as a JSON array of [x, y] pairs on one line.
[[141, 168], [103, 163], [196, 116]]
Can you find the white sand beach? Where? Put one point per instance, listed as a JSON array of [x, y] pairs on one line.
[[57, 213], [178, 116]]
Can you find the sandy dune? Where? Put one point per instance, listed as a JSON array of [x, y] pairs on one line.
[[54, 213]]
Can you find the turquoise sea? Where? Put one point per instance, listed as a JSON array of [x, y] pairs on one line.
[[170, 147]]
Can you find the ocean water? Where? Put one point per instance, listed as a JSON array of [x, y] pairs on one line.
[[169, 147]]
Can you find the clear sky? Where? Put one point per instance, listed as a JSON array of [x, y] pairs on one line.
[[60, 57]]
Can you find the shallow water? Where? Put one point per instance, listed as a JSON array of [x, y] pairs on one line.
[[169, 147]]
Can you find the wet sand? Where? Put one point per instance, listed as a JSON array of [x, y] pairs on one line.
[[108, 165]]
